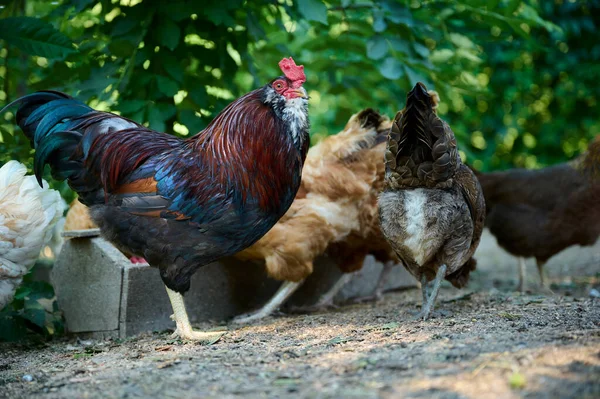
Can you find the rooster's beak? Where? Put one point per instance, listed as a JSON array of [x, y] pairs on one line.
[[300, 92]]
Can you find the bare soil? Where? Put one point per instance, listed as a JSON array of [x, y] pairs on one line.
[[483, 342]]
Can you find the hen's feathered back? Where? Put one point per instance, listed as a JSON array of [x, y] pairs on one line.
[[28, 214], [421, 149]]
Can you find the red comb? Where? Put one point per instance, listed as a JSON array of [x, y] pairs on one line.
[[293, 72]]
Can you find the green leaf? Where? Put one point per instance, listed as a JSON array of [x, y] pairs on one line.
[[121, 47], [159, 114], [188, 118], [168, 33], [172, 66], [379, 24], [35, 315], [421, 49], [313, 10], [400, 45], [461, 40], [199, 96], [128, 107], [441, 56], [398, 13], [35, 37], [377, 47], [166, 86], [391, 68]]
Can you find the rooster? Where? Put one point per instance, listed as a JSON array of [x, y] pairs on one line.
[[432, 208], [538, 213], [335, 212], [179, 204], [28, 214]]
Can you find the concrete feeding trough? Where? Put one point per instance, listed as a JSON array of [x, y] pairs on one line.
[[103, 294]]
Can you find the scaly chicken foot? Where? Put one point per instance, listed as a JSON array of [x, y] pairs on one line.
[[184, 329], [431, 295], [326, 300], [377, 294], [283, 293]]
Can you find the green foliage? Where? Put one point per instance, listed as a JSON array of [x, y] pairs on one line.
[[173, 68], [35, 37], [34, 309]]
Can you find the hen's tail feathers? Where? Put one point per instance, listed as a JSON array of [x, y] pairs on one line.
[[460, 278], [421, 150], [371, 119]]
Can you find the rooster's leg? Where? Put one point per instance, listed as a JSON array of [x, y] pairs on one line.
[[522, 274], [432, 296], [282, 295], [184, 328], [377, 294]]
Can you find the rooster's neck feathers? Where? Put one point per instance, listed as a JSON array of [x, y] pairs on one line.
[[293, 112], [257, 146]]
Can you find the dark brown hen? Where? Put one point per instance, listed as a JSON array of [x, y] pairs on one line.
[[432, 209], [538, 213]]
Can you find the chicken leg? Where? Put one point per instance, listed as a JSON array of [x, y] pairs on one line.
[[283, 293], [326, 300], [377, 294], [431, 295], [522, 275], [545, 287], [184, 328]]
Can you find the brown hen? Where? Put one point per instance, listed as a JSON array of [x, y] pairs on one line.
[[335, 212], [538, 213]]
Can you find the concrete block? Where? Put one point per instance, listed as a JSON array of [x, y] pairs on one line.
[[103, 294], [88, 279]]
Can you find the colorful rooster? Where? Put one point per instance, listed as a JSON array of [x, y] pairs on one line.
[[180, 204]]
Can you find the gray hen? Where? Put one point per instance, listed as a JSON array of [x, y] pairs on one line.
[[432, 209]]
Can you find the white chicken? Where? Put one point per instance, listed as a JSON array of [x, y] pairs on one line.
[[28, 214]]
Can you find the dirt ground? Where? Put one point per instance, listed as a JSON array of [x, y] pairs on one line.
[[487, 341]]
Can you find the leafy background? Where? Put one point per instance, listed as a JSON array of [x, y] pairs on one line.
[[518, 79]]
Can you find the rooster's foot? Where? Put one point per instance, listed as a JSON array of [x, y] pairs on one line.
[[184, 329], [203, 337]]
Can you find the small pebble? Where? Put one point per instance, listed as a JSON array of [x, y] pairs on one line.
[[27, 378]]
